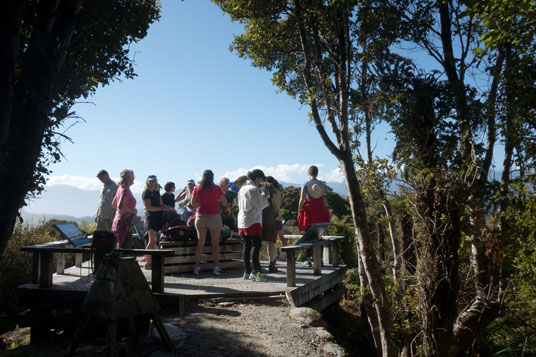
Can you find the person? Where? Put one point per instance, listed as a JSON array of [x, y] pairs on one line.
[[125, 205], [153, 213], [105, 212], [311, 207], [207, 197], [251, 202], [186, 196], [227, 211], [269, 232], [168, 197], [276, 204]]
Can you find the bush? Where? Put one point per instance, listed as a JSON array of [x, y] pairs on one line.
[[16, 269]]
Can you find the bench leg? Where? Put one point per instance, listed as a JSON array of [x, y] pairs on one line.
[[157, 274], [291, 268], [317, 260], [335, 253], [45, 269], [60, 263], [326, 254]]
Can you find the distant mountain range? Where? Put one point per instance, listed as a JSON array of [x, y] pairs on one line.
[[73, 204]]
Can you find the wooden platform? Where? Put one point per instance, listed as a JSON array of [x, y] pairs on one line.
[[204, 285]]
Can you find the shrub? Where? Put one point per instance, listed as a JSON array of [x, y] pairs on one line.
[[16, 269]]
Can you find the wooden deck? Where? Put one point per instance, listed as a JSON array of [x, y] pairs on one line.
[[205, 285]]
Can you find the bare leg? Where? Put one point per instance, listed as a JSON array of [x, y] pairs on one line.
[[271, 251], [282, 238], [215, 241], [201, 237], [151, 245]]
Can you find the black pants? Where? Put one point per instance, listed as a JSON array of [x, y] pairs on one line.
[[251, 255]]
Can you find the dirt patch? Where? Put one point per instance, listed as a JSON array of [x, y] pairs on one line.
[[235, 328]]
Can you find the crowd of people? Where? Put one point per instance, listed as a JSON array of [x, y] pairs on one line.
[[208, 207]]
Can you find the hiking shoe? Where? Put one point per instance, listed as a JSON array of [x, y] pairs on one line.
[[197, 270], [246, 276], [258, 277], [217, 271]]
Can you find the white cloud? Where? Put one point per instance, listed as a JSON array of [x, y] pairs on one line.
[[295, 173], [87, 183], [83, 183], [334, 175]]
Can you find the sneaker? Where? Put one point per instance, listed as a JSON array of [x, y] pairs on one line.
[[246, 276], [307, 263], [217, 271], [258, 277], [148, 266], [197, 270]]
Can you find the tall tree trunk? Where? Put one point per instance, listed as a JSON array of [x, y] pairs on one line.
[[371, 267]]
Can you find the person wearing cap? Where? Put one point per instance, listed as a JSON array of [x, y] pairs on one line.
[[186, 195], [105, 212], [153, 208], [208, 197], [251, 202]]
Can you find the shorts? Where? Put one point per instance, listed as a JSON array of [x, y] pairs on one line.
[[278, 225], [269, 233], [208, 221], [155, 220]]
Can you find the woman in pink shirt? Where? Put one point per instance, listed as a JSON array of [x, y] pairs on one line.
[[125, 205], [208, 196]]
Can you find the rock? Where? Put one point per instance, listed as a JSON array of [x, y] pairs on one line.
[[331, 349], [175, 333], [324, 334], [307, 316], [226, 304]]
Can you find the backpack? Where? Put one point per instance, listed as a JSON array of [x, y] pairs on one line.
[[179, 233]]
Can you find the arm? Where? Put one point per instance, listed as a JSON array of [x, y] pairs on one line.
[[182, 195], [277, 202], [193, 201], [123, 206], [302, 199], [224, 203], [165, 208], [258, 201]]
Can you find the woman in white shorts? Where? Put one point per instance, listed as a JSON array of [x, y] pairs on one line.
[[208, 197]]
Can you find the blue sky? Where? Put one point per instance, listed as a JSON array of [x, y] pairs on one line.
[[194, 106]]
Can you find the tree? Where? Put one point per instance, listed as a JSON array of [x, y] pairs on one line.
[[53, 52], [315, 51]]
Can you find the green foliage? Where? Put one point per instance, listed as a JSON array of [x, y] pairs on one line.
[[87, 228], [16, 269], [347, 247]]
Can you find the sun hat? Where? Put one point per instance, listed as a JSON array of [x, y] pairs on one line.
[[190, 182], [315, 188], [151, 177]]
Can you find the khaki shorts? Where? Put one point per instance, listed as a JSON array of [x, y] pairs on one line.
[[208, 221]]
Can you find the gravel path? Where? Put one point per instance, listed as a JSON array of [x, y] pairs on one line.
[[269, 328]]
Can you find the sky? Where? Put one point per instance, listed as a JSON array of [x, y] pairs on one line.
[[194, 106]]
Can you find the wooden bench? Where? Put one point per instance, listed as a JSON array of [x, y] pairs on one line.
[[329, 257], [183, 258], [42, 269]]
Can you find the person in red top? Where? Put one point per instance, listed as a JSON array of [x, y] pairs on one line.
[[207, 197]]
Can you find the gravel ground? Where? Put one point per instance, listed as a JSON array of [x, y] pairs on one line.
[[215, 329], [269, 328]]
